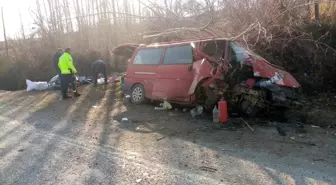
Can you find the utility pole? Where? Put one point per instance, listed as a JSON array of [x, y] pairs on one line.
[[4, 30]]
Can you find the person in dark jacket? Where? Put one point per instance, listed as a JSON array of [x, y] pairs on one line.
[[98, 67], [56, 57]]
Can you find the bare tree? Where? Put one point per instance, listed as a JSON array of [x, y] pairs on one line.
[[4, 31]]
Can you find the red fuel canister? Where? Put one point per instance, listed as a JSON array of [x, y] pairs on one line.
[[223, 112]]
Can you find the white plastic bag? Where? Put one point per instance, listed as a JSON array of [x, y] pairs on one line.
[[101, 81], [39, 86]]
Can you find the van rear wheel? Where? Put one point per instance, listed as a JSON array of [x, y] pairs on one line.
[[138, 94]]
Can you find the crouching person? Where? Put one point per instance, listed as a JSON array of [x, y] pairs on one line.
[[98, 67]]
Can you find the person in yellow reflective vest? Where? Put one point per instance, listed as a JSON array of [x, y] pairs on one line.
[[67, 68]]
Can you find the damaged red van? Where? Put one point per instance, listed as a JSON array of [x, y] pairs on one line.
[[200, 72]]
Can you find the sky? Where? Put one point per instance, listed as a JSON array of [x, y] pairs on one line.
[[11, 10]]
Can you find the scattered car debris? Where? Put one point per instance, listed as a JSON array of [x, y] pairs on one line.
[[159, 108], [100, 81], [164, 106], [215, 115], [297, 142], [208, 169], [281, 131], [55, 82], [196, 111], [124, 119], [159, 139], [247, 124]]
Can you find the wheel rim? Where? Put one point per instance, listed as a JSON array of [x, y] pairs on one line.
[[137, 94]]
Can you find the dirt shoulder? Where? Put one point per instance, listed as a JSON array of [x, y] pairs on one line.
[[167, 138]]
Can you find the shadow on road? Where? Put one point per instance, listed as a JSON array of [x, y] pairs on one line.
[[171, 136]]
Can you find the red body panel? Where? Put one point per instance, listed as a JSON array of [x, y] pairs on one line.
[[264, 69], [202, 70], [174, 82], [142, 74], [171, 82]]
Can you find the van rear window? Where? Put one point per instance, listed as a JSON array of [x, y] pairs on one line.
[[178, 55], [148, 56]]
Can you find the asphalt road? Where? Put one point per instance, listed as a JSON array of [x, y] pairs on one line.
[[48, 142]]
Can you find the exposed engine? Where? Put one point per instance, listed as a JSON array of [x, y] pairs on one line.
[[249, 94]]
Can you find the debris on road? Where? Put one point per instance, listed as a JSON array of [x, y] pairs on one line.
[[159, 108], [164, 106], [196, 111], [281, 131], [247, 124], [208, 169], [298, 142], [215, 115], [159, 139], [100, 81]]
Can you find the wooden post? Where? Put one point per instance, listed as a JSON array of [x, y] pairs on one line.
[[4, 30], [317, 11]]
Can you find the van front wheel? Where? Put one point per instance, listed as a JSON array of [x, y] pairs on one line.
[[138, 94]]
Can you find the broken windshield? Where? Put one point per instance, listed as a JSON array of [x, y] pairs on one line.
[[242, 53]]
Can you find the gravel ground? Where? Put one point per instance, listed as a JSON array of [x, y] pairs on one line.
[[44, 140]]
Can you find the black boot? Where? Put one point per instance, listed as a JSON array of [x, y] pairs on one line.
[[65, 97], [76, 94]]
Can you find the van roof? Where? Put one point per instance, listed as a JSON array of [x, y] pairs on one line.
[[128, 48], [180, 42]]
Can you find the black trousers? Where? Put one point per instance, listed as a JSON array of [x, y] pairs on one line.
[[96, 73], [65, 81]]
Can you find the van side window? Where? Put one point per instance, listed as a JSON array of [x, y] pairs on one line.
[[178, 55], [148, 56]]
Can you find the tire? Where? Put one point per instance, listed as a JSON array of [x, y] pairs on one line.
[[137, 94]]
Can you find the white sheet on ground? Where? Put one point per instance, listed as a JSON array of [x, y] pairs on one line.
[[38, 86]]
